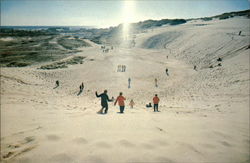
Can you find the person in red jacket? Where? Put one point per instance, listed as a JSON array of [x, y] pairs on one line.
[[156, 102], [120, 99]]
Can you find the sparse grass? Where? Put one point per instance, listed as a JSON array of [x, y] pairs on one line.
[[18, 64], [64, 64], [71, 44], [24, 51]]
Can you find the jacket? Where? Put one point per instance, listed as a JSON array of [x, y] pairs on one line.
[[120, 100], [156, 100]]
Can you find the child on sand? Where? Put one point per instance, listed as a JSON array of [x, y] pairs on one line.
[[156, 102], [121, 103], [132, 103]]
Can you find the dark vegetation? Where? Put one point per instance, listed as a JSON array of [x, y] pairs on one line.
[[233, 14], [10, 32], [64, 64], [71, 44], [245, 13], [20, 48]]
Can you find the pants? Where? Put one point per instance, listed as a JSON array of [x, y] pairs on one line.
[[155, 107], [122, 109], [106, 108]]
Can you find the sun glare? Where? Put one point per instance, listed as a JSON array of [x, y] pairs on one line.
[[128, 15]]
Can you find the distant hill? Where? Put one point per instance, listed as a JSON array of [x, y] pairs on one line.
[[245, 13], [113, 35]]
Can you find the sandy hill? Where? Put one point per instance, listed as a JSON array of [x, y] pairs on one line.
[[204, 113]]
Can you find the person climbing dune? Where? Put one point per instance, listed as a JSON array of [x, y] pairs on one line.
[[167, 71], [120, 99], [104, 101], [132, 103]]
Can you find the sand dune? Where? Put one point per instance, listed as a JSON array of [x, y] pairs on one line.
[[204, 114]]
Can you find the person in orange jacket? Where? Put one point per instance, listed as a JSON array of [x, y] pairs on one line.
[[120, 99], [156, 102]]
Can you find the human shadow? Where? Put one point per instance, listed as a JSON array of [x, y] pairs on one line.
[[79, 92]]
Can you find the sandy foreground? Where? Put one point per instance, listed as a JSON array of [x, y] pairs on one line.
[[203, 118]]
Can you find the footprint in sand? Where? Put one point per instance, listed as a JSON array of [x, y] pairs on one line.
[[190, 147], [53, 137], [61, 158], [159, 142], [13, 146], [22, 160], [12, 154], [93, 159], [126, 143], [225, 143], [160, 129], [80, 141], [103, 145], [210, 146], [28, 139], [7, 155], [222, 135], [164, 159], [147, 146]]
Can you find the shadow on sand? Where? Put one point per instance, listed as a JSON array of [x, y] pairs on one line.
[[79, 92]]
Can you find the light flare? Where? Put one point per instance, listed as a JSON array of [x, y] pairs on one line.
[[128, 16]]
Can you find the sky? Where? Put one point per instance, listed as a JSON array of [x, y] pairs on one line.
[[105, 13]]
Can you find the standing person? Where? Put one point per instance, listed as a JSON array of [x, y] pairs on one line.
[[129, 81], [156, 102], [124, 68], [156, 84], [121, 103], [195, 68], [167, 71], [82, 85], [57, 83], [119, 68], [104, 101], [132, 103]]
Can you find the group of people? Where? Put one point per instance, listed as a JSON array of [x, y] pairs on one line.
[[106, 50], [120, 100], [121, 68], [81, 87]]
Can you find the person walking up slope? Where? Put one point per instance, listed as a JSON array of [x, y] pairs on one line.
[[120, 99], [156, 102], [132, 103], [129, 81], [104, 101]]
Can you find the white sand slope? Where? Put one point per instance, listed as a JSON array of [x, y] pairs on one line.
[[204, 114]]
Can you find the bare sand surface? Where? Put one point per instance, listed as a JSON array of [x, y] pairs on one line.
[[204, 114]]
